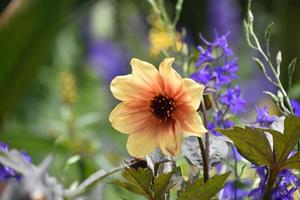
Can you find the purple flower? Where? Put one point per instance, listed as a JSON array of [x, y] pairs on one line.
[[264, 119], [219, 121], [214, 66], [7, 173], [296, 106], [203, 75], [215, 50], [286, 185], [236, 190], [232, 98]]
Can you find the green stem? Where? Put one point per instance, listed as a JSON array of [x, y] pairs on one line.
[[271, 182], [277, 81], [235, 172]]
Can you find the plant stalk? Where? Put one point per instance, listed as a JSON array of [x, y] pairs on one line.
[[270, 184], [204, 147]]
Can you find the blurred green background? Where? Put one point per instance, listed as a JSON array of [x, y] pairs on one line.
[[58, 57]]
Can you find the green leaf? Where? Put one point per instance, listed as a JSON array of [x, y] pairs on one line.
[[138, 181], [162, 183], [278, 143], [252, 144], [208, 190], [291, 69], [293, 162], [130, 187], [284, 143]]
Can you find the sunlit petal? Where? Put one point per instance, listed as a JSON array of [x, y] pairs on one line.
[[170, 140], [127, 118], [172, 80], [141, 144], [190, 121], [145, 74], [193, 92], [125, 89]]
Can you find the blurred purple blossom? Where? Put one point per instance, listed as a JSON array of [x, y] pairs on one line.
[[107, 58], [7, 173], [263, 118], [296, 106], [236, 190], [224, 15]]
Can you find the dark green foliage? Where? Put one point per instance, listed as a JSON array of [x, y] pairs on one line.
[[252, 144], [24, 45], [142, 181], [203, 191]]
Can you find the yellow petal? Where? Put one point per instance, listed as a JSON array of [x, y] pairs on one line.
[[141, 144], [189, 121], [194, 92], [125, 89], [170, 140], [128, 119], [172, 80], [144, 73]]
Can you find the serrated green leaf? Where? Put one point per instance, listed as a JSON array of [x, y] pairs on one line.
[[252, 144], [291, 69], [293, 162], [130, 187], [285, 143], [161, 184], [278, 143], [205, 191], [140, 178]]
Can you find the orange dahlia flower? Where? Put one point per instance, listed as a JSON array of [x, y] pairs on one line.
[[157, 108]]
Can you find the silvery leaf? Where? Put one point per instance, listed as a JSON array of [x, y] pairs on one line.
[[218, 150]]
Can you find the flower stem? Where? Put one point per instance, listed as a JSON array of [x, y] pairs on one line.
[[270, 184], [204, 147], [235, 172], [204, 159]]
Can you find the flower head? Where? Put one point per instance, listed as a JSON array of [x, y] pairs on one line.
[[161, 38], [215, 50], [157, 108], [232, 98], [215, 68]]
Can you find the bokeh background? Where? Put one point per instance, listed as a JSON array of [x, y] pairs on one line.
[[57, 59]]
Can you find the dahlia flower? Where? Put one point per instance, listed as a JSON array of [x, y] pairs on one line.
[[157, 108]]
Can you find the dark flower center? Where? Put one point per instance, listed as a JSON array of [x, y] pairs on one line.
[[162, 106]]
